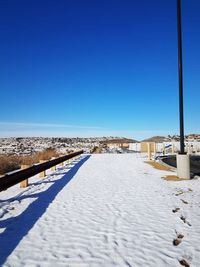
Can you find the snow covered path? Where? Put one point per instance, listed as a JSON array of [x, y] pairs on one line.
[[108, 210]]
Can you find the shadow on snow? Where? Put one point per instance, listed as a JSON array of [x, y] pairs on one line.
[[19, 226]]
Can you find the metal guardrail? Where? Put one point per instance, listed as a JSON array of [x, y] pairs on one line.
[[9, 180]]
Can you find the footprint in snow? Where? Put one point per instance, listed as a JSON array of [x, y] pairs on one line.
[[185, 221], [175, 210], [184, 263], [178, 240], [184, 201]]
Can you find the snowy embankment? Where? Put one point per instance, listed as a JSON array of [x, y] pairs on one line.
[[105, 210]]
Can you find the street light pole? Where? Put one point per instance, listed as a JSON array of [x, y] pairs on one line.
[[182, 159], [180, 71]]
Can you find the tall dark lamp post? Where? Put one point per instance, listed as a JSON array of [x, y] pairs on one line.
[[180, 73], [182, 159]]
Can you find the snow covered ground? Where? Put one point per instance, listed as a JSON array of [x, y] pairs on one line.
[[101, 210]]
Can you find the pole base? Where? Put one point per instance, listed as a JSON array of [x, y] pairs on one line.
[[183, 166]]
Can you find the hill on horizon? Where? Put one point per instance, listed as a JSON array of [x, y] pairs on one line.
[[157, 139]]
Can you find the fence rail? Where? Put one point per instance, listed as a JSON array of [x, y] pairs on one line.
[[9, 180]]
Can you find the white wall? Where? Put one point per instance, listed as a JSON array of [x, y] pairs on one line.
[[196, 146], [134, 146]]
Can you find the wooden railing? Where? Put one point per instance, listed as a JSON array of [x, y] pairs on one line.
[[9, 180]]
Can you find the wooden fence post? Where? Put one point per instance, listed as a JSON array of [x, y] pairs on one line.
[[43, 173], [53, 168], [24, 183], [149, 151]]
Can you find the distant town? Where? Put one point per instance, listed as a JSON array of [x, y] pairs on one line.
[[31, 145]]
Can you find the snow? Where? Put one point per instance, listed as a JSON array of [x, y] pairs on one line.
[[101, 210]]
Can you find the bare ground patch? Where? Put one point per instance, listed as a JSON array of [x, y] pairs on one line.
[[162, 167], [158, 166], [172, 178]]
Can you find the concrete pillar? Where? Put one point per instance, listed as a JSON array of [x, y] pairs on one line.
[[43, 173], [24, 183], [149, 151], [183, 166]]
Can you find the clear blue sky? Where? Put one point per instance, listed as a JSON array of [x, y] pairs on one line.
[[94, 68]]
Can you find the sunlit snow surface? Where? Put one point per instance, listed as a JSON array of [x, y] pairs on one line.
[[101, 210]]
